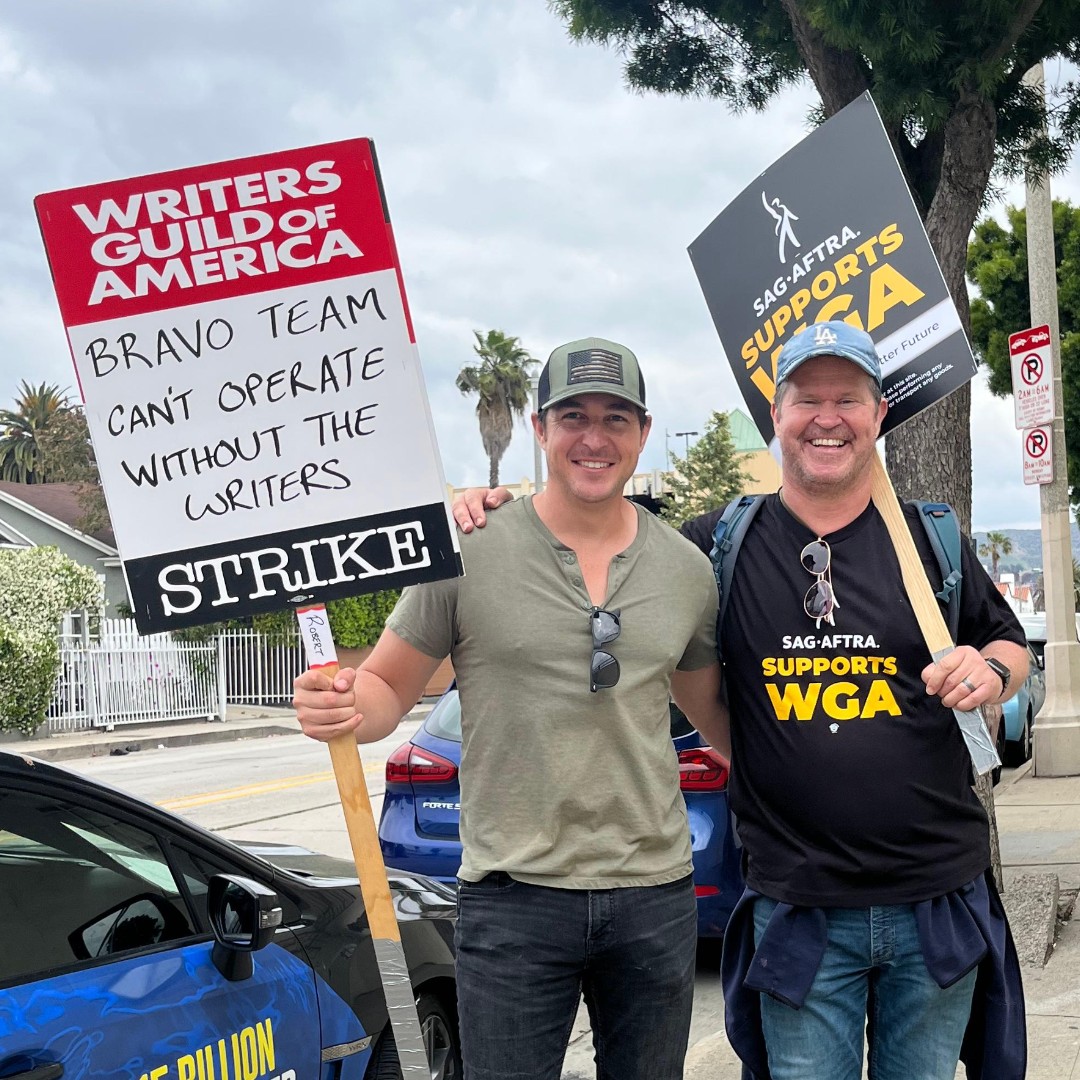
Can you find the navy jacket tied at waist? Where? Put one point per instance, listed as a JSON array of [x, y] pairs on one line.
[[957, 931]]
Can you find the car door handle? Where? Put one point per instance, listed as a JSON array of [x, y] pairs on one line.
[[52, 1071]]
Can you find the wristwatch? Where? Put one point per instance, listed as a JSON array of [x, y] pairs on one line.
[[1001, 670]]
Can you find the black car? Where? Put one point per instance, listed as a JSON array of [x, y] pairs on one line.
[[138, 945]]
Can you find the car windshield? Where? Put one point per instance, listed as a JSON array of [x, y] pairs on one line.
[[444, 721], [1034, 626]]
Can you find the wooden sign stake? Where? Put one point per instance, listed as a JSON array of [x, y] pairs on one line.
[[370, 868], [923, 602]]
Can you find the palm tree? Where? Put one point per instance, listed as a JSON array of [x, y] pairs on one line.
[[501, 381], [35, 407], [997, 544]]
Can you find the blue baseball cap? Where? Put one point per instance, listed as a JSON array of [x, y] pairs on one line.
[[835, 338]]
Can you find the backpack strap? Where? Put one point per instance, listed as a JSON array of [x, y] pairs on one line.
[[943, 532], [727, 539]]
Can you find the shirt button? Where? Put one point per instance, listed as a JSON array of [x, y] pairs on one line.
[[576, 580], [569, 559]]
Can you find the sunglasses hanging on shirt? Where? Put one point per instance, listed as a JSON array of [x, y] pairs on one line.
[[820, 600]]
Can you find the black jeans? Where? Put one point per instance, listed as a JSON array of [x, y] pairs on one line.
[[526, 953]]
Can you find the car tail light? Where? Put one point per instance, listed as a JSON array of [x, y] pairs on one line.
[[410, 764], [702, 769]]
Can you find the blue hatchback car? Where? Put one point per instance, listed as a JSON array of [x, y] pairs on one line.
[[418, 829]]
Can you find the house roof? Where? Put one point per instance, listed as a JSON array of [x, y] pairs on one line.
[[58, 504], [744, 432]]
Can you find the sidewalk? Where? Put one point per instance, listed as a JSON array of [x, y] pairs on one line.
[[1039, 828], [241, 722]]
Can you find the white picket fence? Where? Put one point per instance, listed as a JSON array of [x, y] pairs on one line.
[[110, 675]]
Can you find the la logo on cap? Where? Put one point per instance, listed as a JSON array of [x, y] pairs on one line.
[[823, 335]]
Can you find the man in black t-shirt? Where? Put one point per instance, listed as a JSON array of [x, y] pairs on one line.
[[868, 903], [865, 844]]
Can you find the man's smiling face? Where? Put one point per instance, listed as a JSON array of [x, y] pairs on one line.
[[592, 443], [827, 418]]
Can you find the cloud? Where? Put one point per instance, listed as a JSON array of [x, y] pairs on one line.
[[530, 191]]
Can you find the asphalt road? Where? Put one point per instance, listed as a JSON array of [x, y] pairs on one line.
[[282, 789]]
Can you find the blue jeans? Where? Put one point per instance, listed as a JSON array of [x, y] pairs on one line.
[[872, 974], [526, 953]]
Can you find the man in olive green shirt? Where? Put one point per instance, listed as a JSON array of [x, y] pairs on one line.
[[579, 615]]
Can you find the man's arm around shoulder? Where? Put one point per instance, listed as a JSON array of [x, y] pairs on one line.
[[697, 693]]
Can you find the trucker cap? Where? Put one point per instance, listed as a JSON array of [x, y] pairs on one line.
[[834, 338], [591, 366]]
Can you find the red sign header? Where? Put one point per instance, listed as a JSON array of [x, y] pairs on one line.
[[1035, 338], [229, 229]]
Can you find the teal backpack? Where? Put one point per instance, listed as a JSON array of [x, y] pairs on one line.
[[938, 519]]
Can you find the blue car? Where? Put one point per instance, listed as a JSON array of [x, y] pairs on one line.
[[137, 945], [419, 825], [1019, 712]]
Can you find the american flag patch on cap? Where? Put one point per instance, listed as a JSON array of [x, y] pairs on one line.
[[594, 365]]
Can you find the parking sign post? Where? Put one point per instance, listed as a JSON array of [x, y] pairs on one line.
[[1056, 750]]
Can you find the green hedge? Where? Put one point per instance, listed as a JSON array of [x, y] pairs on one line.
[[38, 586], [356, 621]]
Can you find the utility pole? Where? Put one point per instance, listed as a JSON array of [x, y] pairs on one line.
[[538, 456], [1057, 727]]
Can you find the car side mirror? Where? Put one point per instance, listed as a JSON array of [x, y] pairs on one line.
[[243, 915]]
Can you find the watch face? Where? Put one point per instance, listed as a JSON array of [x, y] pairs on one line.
[[1003, 672]]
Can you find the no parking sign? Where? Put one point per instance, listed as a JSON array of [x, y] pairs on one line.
[[1038, 456], [1032, 379]]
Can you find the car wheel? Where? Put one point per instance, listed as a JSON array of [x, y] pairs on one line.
[[440, 1041], [1027, 738]]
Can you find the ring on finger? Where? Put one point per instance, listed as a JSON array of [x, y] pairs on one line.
[[969, 684]]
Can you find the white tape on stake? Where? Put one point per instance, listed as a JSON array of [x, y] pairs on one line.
[[980, 746]]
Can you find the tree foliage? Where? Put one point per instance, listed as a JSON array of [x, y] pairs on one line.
[[997, 544], [947, 79], [36, 408], [710, 475], [501, 383], [997, 266], [67, 456]]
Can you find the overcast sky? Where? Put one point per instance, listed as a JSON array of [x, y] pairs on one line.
[[530, 191]]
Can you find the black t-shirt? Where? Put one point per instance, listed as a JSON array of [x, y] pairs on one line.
[[852, 786]]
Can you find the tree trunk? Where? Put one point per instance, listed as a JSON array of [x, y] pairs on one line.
[[929, 457]]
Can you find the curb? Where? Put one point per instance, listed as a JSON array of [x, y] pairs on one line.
[[134, 742], [1007, 782]]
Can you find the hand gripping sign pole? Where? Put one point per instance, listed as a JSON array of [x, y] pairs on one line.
[[244, 348], [860, 253], [984, 756], [364, 841]]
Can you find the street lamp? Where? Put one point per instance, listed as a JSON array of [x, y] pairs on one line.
[[686, 435]]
